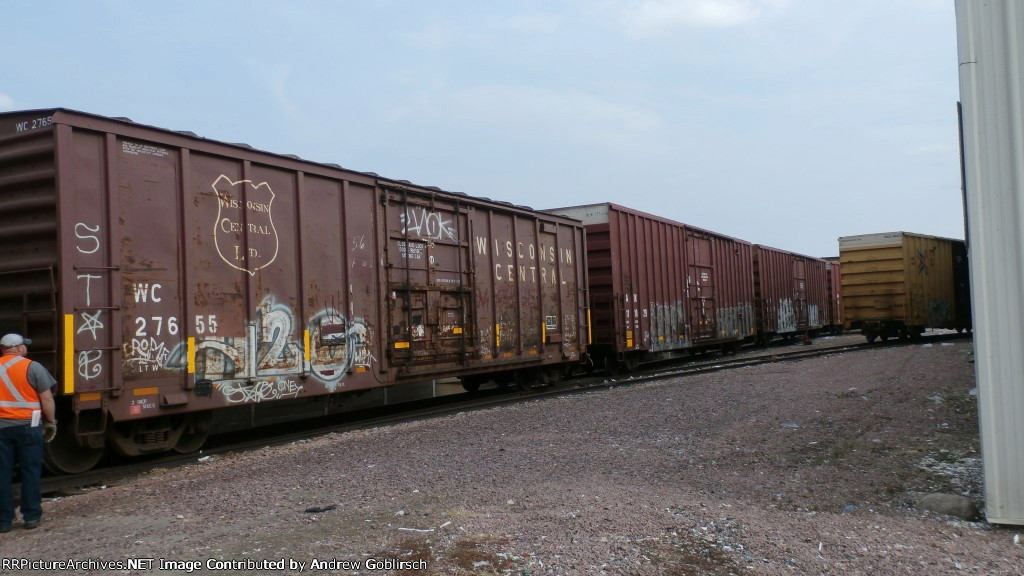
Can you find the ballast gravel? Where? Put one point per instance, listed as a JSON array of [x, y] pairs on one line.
[[807, 467]]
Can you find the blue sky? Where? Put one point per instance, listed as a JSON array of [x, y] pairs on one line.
[[782, 122]]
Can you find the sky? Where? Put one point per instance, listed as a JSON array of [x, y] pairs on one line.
[[788, 123]]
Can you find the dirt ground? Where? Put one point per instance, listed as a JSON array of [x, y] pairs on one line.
[[809, 467]]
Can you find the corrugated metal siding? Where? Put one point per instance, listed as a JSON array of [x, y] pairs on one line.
[[903, 278], [991, 44], [790, 291], [28, 230], [194, 274], [659, 286]]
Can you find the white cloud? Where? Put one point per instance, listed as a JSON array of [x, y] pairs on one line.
[[6, 102], [559, 114], [647, 18]]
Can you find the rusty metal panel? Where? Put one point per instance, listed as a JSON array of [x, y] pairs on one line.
[[28, 228], [790, 291], [169, 274], [834, 274], [659, 286], [910, 279]]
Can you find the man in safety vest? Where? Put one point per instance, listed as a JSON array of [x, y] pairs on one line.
[[27, 418]]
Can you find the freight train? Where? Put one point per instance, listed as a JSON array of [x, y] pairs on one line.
[[179, 286]]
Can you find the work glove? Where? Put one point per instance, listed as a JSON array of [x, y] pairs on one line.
[[49, 431]]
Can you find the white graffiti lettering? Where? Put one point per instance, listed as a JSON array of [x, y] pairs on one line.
[[91, 322], [89, 366], [427, 224], [90, 237]]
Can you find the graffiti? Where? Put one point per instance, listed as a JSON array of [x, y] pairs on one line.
[[94, 240], [276, 352], [813, 315], [736, 321], [263, 391], [338, 347], [787, 316], [146, 354], [88, 286], [251, 217], [89, 364], [91, 322], [427, 224], [922, 261]]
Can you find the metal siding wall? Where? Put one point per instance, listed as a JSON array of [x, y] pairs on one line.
[[990, 36]]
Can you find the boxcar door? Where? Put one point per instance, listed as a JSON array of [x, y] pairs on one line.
[[429, 289], [700, 287]]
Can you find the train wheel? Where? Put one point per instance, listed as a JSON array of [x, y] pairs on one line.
[[196, 431], [871, 336], [470, 385], [64, 455]]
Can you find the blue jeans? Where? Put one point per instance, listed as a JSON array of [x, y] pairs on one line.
[[22, 445]]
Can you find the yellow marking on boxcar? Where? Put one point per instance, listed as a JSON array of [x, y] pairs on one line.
[[190, 345], [89, 397], [497, 334], [146, 391], [399, 345], [590, 336], [305, 344], [69, 353], [543, 333], [457, 330]]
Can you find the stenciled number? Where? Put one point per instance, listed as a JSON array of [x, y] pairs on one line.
[[206, 322], [141, 324]]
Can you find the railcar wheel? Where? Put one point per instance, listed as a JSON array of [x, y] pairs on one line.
[[194, 435], [470, 385], [871, 336], [64, 455]]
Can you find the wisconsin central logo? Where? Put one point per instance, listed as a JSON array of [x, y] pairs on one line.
[[244, 231]]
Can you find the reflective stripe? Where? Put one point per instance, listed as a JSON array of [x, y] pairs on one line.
[[19, 400]]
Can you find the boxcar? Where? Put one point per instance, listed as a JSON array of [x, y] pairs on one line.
[[659, 288], [166, 278], [833, 276], [790, 292], [900, 283]]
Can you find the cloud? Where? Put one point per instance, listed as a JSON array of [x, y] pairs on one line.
[[6, 102], [650, 18], [559, 114]]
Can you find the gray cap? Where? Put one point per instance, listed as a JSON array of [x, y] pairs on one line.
[[12, 340]]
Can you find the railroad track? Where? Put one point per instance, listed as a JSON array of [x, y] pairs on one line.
[[114, 473]]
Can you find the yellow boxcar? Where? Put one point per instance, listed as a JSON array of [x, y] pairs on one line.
[[899, 284]]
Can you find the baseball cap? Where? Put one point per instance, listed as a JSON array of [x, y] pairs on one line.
[[12, 340]]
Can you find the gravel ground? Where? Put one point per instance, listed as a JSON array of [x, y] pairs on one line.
[[807, 467]]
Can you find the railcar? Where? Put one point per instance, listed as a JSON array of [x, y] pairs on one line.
[[173, 282], [660, 288], [791, 294], [898, 284], [833, 276]]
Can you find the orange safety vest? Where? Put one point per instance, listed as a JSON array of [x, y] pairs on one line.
[[17, 397]]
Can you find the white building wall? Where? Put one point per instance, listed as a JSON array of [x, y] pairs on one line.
[[991, 48]]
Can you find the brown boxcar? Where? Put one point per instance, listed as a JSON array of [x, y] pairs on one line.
[[833, 276], [790, 293], [897, 284], [165, 277], [660, 288]]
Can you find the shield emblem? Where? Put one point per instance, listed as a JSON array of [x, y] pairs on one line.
[[244, 230]]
